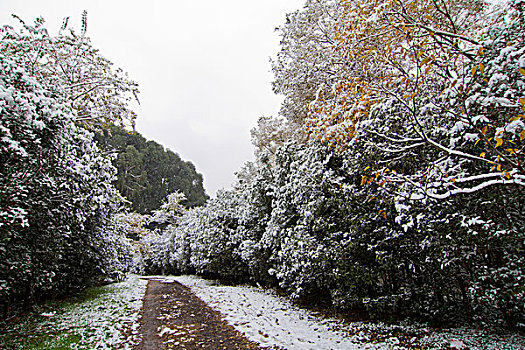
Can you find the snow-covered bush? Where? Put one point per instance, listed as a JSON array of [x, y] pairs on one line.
[[58, 233], [133, 226], [214, 249], [170, 211], [56, 190], [152, 235], [306, 217], [410, 203], [308, 223]]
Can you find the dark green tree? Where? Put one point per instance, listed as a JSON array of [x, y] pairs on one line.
[[147, 172]]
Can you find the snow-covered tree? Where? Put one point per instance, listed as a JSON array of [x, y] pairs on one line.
[[436, 96], [58, 233], [158, 245], [57, 193], [99, 93], [171, 210], [306, 62]]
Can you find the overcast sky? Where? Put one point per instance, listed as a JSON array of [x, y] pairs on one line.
[[202, 65]]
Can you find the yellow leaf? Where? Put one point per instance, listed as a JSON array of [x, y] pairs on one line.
[[485, 129], [499, 167], [367, 168], [507, 175], [482, 155], [481, 68], [425, 61], [499, 141], [480, 51], [522, 135], [522, 71], [474, 69], [511, 150], [522, 101]]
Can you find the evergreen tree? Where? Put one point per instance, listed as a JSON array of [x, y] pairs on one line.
[[147, 172]]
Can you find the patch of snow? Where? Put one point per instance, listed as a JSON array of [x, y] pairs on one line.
[[167, 330], [100, 323], [274, 322], [48, 314], [456, 344], [270, 320]]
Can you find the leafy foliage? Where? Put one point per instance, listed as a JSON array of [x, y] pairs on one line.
[[57, 229], [427, 83], [98, 93], [409, 203]]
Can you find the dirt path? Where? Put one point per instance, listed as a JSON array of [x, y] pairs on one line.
[[174, 318]]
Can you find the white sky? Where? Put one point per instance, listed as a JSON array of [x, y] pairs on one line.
[[202, 66]]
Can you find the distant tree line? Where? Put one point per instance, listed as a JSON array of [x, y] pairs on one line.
[[147, 173]]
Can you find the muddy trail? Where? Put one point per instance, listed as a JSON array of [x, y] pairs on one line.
[[174, 318]]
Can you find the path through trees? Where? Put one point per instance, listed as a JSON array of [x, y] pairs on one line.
[[174, 318]]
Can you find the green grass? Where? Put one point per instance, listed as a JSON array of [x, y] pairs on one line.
[[33, 331], [63, 340], [95, 318]]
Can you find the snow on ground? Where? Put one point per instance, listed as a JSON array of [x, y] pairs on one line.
[[270, 320], [102, 322], [108, 321], [273, 321]]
